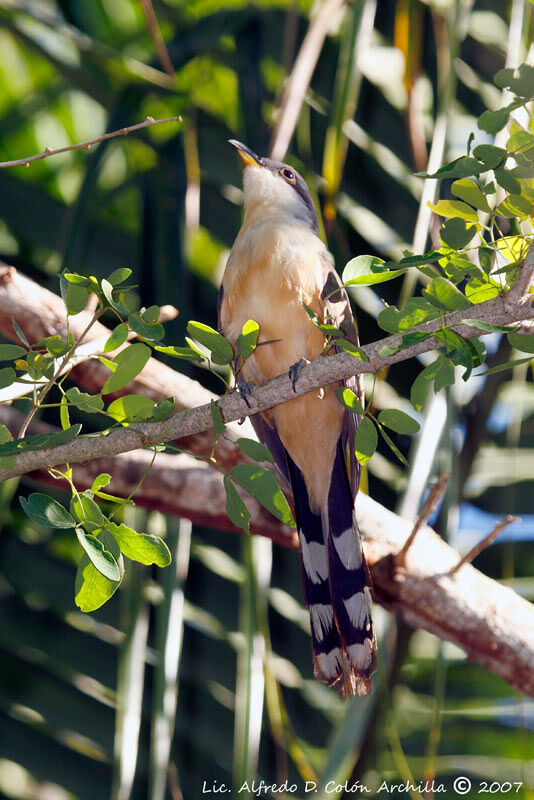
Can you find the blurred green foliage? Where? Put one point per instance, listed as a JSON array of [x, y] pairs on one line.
[[393, 80]]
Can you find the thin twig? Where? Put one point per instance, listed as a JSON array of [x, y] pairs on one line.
[[157, 38], [55, 376], [486, 542], [429, 507], [49, 151]]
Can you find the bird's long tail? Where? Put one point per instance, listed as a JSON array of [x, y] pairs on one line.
[[336, 584]]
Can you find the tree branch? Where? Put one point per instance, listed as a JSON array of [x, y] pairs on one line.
[[514, 306], [49, 151]]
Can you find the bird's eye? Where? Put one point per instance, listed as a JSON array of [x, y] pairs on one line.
[[288, 174]]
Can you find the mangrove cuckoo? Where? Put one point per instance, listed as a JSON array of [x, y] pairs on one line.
[[278, 264]]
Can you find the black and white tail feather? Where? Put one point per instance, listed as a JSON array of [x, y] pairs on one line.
[[336, 584]]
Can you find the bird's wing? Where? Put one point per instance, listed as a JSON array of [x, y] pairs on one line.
[[336, 306]]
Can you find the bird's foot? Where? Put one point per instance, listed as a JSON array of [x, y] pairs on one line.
[[294, 372], [245, 390]]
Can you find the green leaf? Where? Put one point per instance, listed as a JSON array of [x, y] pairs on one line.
[[444, 294], [44, 510], [491, 156], [118, 305], [9, 352], [43, 441], [415, 261], [64, 413], [444, 376], [76, 298], [119, 275], [100, 481], [255, 450], [522, 341], [477, 291], [456, 233], [92, 589], [248, 339], [494, 121], [391, 444], [131, 408], [56, 347], [180, 352], [221, 349], [130, 362], [143, 547], [153, 331], [236, 509], [365, 441], [459, 168], [515, 205], [420, 385], [454, 208], [85, 402], [368, 270], [163, 410], [354, 350], [520, 80], [75, 278], [19, 332], [348, 398], [467, 190], [218, 422], [507, 365], [505, 179], [119, 334], [398, 421], [84, 508], [5, 434], [260, 483], [406, 341], [7, 377], [487, 327], [101, 558]]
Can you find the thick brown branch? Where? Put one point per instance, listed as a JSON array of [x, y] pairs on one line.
[[514, 306]]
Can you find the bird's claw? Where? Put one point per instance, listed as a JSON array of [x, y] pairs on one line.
[[294, 372], [245, 390]]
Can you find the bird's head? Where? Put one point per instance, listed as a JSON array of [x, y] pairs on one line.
[[275, 189]]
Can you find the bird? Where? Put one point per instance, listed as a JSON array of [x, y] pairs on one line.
[[278, 266]]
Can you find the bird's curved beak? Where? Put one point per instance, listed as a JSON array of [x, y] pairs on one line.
[[248, 156]]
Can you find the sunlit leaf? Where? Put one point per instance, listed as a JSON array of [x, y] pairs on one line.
[[349, 400], [221, 349], [101, 558], [398, 421], [131, 408], [119, 334], [454, 208], [130, 362], [467, 190], [248, 339], [143, 547], [260, 483], [368, 270]]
